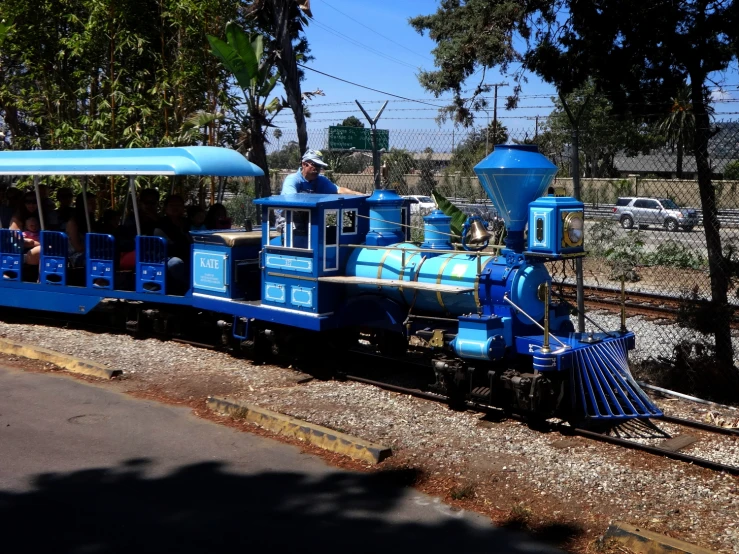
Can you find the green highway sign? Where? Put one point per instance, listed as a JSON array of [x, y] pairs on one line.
[[359, 138]]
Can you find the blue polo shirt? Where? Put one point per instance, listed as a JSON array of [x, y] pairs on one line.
[[296, 183]]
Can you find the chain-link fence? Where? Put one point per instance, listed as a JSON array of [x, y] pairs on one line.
[[644, 218]]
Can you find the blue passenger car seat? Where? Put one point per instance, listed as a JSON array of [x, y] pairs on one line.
[[11, 254], [151, 265], [53, 264], [100, 260]]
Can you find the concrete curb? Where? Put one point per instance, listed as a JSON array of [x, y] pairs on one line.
[[287, 426], [70, 363], [642, 541]]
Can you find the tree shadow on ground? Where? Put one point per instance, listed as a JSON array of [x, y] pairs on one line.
[[203, 507]]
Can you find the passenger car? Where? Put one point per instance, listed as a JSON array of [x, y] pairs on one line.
[[421, 203], [644, 211]]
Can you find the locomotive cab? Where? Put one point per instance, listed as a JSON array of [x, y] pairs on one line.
[[314, 234]]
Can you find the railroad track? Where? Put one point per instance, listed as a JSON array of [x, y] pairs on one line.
[[635, 435], [651, 306]]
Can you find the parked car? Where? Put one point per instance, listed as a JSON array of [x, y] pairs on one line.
[[643, 212], [422, 204]]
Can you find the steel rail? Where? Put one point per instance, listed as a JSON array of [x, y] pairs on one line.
[[701, 462], [731, 431], [567, 430]]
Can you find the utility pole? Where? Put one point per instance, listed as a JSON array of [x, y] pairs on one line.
[[575, 123], [373, 134], [495, 108]]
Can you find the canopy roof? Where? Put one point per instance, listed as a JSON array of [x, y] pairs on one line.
[[187, 160]]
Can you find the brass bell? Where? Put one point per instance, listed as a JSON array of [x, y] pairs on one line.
[[478, 233]]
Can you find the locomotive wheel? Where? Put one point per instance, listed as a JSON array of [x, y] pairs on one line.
[[393, 345]]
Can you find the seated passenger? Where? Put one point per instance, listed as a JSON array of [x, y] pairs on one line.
[[48, 208], [65, 210], [110, 222], [27, 209], [217, 218], [196, 215], [76, 228], [148, 204], [9, 205], [176, 229], [32, 232]]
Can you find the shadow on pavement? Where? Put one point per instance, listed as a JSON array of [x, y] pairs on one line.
[[203, 507]]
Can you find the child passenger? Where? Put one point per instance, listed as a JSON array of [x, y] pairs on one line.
[[196, 214], [31, 232]]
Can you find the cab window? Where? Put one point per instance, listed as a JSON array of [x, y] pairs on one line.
[[349, 222], [294, 227]]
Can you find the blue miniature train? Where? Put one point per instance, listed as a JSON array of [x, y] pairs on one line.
[[341, 267]]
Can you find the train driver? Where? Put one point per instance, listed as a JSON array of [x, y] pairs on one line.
[[309, 179]]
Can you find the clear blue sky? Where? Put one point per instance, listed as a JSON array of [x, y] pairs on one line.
[[371, 43]]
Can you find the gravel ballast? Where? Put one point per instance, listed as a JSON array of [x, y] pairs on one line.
[[504, 469]]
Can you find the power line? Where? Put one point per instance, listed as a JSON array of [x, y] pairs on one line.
[[363, 86], [379, 34], [357, 43]]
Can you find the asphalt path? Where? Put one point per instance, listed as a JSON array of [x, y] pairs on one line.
[[84, 469]]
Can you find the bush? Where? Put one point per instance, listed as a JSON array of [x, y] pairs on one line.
[[674, 254], [731, 171]]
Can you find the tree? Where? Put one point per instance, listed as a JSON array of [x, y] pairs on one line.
[[731, 171], [679, 125], [5, 27], [277, 133], [244, 56], [603, 134], [427, 179], [470, 34], [92, 74], [287, 157], [399, 162], [478, 144], [351, 121], [283, 21], [638, 53]]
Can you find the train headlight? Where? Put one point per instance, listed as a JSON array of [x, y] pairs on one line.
[[573, 229]]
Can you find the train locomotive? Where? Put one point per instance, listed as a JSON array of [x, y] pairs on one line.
[[342, 267]]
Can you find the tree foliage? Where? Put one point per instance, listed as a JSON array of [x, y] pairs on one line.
[[678, 126], [399, 163], [470, 35], [477, 145], [284, 22], [602, 133], [638, 53], [244, 56], [351, 121], [731, 171], [98, 74]]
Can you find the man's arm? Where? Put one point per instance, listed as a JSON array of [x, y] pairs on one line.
[[344, 190], [288, 186]]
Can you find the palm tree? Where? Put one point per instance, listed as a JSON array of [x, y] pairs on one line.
[[679, 126], [244, 56], [277, 133]]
